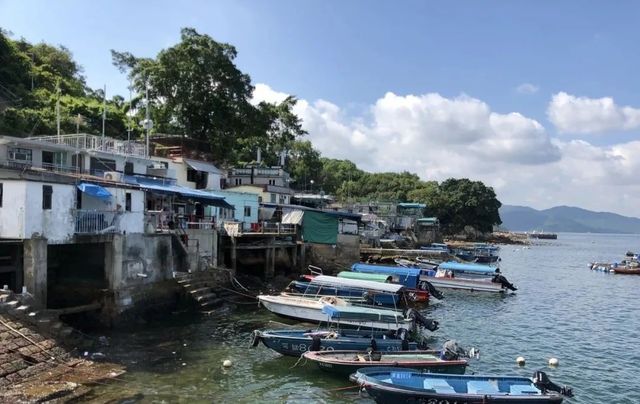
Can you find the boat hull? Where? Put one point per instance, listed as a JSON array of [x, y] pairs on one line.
[[296, 342], [393, 385], [465, 284], [313, 313], [626, 271], [343, 362]]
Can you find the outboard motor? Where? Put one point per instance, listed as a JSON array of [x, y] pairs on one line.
[[542, 381], [498, 278], [432, 290], [452, 351], [402, 336], [427, 323]]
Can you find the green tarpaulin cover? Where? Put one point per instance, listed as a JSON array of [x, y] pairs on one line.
[[319, 228]]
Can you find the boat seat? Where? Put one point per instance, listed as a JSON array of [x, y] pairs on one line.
[[481, 387], [438, 385], [523, 389]]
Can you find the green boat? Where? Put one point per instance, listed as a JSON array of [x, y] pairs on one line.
[[347, 362], [366, 277]]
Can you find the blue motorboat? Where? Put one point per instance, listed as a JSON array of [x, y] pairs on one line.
[[391, 385], [297, 342], [468, 270], [413, 279], [479, 252]]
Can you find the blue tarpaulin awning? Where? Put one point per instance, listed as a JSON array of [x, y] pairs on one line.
[[197, 195], [95, 190]]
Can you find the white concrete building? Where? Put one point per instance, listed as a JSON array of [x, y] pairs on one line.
[[79, 216]]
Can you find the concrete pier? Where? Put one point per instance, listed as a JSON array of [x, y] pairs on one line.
[[35, 269]]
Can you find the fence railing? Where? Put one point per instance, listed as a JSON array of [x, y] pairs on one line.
[[93, 142], [95, 221]]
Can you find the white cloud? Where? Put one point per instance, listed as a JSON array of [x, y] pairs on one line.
[[527, 88], [439, 137], [571, 114], [263, 92]]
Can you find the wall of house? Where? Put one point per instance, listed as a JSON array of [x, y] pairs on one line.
[[133, 221], [12, 211], [57, 224], [239, 200]]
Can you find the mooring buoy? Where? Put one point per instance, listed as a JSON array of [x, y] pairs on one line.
[[553, 362], [227, 363], [520, 360]]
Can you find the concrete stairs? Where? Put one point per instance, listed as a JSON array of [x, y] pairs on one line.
[[47, 322], [206, 289]]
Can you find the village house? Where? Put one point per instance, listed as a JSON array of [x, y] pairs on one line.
[[82, 214]]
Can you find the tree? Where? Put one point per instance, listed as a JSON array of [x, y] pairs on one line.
[[461, 202], [304, 165], [336, 174]]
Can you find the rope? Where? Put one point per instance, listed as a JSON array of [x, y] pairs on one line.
[[345, 388], [298, 361], [4, 323], [239, 293], [239, 284]]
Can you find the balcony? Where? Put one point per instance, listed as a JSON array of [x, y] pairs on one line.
[[98, 143], [95, 221]]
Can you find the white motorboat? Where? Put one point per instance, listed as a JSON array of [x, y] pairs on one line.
[[331, 309]]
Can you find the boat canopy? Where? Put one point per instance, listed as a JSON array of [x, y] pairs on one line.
[[467, 268], [366, 277], [408, 277], [326, 280], [361, 313]]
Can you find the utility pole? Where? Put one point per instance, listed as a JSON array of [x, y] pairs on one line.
[[146, 117], [58, 110], [129, 119], [104, 113]]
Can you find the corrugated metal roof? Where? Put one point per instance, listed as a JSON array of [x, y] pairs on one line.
[[202, 166], [293, 217]]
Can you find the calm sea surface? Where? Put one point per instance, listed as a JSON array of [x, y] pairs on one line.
[[589, 321]]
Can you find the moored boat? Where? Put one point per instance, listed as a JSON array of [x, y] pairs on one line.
[[412, 278], [331, 309], [393, 385], [297, 342], [484, 279], [367, 291], [347, 362]]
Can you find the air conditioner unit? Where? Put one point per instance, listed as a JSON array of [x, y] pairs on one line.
[[113, 176]]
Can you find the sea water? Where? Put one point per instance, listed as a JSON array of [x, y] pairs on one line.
[[588, 320]]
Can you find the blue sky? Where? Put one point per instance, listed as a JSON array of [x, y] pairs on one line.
[[342, 57]]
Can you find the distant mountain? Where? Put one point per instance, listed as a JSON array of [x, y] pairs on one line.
[[566, 219]]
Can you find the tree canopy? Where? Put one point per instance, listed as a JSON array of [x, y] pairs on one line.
[[196, 90], [30, 76]]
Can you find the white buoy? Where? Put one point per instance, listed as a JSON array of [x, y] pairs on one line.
[[520, 360], [553, 362], [227, 363]]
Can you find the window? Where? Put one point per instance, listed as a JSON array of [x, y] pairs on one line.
[[16, 153], [78, 199], [247, 211], [47, 191], [238, 181], [192, 175], [128, 168], [273, 198], [0, 194], [127, 201]]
